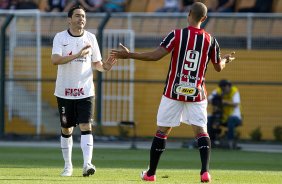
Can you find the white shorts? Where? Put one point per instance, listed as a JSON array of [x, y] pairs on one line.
[[172, 112]]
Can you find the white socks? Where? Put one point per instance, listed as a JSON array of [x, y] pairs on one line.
[[66, 146], [86, 144]]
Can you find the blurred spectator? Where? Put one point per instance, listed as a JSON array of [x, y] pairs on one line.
[[225, 100], [4, 4], [13, 4], [60, 5], [92, 5], [261, 6], [170, 6], [224, 6], [185, 5], [25, 4], [115, 5]]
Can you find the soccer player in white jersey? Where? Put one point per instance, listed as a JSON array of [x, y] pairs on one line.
[[184, 98], [76, 52]]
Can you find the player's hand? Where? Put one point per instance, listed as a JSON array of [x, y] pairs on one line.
[[84, 51], [109, 63], [229, 57], [120, 54]]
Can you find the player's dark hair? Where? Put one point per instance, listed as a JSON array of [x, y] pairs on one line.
[[198, 10], [70, 13], [224, 83]]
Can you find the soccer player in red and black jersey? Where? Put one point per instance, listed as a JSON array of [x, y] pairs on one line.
[[184, 98]]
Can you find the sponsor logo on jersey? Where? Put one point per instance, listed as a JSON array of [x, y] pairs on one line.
[[81, 59], [74, 91], [186, 90]]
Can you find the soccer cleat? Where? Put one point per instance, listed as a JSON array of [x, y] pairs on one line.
[[88, 170], [67, 171], [205, 177], [145, 177]]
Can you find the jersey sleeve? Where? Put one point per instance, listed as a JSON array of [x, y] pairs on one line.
[[96, 55], [236, 97], [215, 51], [57, 46], [169, 41]]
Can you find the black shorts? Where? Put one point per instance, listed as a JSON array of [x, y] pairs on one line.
[[73, 112]]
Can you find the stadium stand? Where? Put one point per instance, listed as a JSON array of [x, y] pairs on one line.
[[211, 3], [23, 127], [239, 24], [244, 4], [137, 6], [262, 27], [277, 6], [153, 5], [46, 26], [147, 27], [116, 23], [276, 28], [42, 4]]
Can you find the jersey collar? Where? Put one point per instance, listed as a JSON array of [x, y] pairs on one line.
[[75, 35], [195, 29]]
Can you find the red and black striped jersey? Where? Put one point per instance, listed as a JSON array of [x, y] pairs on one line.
[[191, 49]]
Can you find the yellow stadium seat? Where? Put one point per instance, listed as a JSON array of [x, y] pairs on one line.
[[137, 5], [244, 4], [153, 5], [277, 6]]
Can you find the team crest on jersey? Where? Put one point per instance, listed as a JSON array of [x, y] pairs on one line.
[[64, 119], [186, 90]]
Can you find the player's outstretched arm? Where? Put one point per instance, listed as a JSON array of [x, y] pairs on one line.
[[125, 53]]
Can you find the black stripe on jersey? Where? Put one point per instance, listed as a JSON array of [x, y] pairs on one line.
[[167, 39]]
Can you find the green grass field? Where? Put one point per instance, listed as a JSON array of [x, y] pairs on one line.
[[118, 166]]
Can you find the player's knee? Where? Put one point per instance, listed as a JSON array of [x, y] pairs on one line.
[[66, 132], [85, 127]]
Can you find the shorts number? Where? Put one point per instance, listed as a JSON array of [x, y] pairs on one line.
[[193, 57], [63, 110]]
